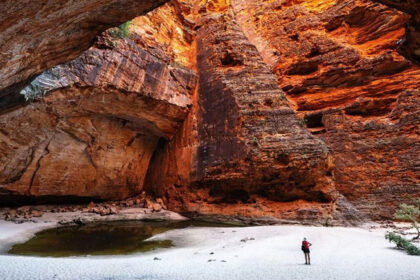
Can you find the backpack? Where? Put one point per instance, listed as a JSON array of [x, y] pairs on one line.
[[303, 245]]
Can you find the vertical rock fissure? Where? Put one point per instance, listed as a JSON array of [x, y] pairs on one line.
[[38, 165]]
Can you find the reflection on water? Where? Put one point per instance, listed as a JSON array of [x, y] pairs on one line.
[[101, 238]]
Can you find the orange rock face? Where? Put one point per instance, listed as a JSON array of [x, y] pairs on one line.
[[410, 46], [303, 110], [36, 35], [93, 133], [250, 146], [340, 65]]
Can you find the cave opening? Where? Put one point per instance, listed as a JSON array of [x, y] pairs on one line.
[[154, 176], [314, 120], [229, 60]]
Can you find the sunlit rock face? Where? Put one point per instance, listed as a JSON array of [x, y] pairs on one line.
[[341, 67], [343, 70], [96, 126], [303, 110], [36, 35], [250, 147]]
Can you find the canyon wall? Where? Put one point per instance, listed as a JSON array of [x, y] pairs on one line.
[[343, 67], [339, 63], [296, 110], [36, 35], [250, 148], [96, 126], [410, 46]]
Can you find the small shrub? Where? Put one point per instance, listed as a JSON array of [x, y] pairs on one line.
[[403, 243], [112, 43], [397, 239], [123, 30], [410, 213], [413, 250]]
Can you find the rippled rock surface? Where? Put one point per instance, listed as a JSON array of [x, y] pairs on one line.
[[296, 110]]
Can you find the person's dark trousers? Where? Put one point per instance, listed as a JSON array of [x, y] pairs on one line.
[[307, 258]]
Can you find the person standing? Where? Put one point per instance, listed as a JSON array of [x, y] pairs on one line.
[[305, 248]]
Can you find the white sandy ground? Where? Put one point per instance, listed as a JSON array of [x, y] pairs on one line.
[[337, 253]]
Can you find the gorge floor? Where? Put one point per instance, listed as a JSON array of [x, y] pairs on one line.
[[263, 252]]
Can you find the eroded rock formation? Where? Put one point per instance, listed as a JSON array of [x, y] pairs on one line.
[[251, 147], [410, 46], [93, 133], [36, 35], [305, 110], [339, 63]]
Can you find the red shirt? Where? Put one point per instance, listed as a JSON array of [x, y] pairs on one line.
[[306, 244]]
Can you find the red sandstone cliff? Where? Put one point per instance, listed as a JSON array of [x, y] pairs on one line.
[[340, 66], [285, 109], [94, 131], [36, 35]]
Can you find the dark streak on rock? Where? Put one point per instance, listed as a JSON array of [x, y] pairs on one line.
[[38, 165]]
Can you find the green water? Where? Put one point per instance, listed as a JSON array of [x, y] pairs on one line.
[[101, 238]]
